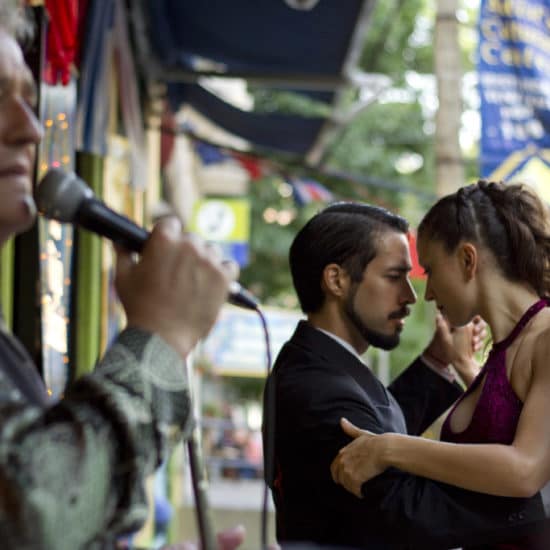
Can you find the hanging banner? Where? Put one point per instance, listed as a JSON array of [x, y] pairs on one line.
[[514, 80], [236, 345]]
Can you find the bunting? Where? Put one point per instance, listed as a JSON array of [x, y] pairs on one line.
[[304, 190], [308, 190]]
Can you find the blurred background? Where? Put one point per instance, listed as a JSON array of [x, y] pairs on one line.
[[244, 118]]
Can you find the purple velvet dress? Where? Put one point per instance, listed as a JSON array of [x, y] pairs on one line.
[[496, 415]]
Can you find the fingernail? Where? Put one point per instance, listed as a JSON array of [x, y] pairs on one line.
[[171, 225]]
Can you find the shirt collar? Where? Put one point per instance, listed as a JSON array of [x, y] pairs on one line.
[[342, 342]]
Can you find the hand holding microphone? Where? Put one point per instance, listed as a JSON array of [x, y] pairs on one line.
[[177, 286]]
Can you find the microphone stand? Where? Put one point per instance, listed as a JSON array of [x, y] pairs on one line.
[[205, 524]]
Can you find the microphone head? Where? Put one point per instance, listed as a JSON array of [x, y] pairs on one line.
[[60, 194]]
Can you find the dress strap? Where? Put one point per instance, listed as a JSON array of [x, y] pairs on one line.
[[525, 318]]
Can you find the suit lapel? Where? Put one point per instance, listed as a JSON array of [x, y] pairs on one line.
[[338, 358]]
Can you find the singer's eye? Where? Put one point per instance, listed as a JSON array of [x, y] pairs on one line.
[[31, 95], [27, 92]]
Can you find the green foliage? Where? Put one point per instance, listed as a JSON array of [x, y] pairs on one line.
[[378, 137], [288, 103], [399, 39], [268, 276]]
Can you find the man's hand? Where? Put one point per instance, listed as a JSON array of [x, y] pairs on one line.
[[458, 345], [176, 288], [358, 461]]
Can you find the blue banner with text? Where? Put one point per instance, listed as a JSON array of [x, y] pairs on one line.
[[514, 79]]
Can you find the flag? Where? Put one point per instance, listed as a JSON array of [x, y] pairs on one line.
[[307, 190]]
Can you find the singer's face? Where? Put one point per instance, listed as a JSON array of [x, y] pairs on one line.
[[20, 131]]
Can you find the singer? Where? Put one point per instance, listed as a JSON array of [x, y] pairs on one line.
[[71, 473]]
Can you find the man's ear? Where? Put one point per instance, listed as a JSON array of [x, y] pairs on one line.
[[468, 257], [335, 280]]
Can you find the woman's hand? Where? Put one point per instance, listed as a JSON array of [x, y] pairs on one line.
[[358, 461], [457, 346]]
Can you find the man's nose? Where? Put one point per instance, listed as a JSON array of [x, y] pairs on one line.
[[409, 296]]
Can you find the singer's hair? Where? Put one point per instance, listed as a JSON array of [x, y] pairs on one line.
[[509, 220], [344, 233], [15, 20]]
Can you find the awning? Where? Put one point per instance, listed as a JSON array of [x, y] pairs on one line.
[[267, 42]]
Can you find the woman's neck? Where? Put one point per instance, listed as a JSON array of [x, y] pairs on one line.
[[503, 304]]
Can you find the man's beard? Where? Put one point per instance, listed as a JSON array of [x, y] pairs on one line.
[[372, 337]]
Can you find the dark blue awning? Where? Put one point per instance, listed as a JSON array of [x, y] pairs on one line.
[[267, 42], [254, 36], [292, 134]]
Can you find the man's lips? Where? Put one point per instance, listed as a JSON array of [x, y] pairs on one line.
[[401, 314]]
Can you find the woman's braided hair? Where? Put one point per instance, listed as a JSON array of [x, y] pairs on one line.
[[508, 219]]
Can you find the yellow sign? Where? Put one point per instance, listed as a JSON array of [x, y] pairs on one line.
[[530, 166], [222, 220]]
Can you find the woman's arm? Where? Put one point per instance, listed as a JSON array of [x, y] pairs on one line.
[[517, 470]]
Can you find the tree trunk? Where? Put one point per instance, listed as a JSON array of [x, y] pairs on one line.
[[448, 70]]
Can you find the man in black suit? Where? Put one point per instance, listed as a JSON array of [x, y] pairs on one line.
[[350, 266]]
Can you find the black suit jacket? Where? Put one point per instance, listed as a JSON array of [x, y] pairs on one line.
[[314, 382]]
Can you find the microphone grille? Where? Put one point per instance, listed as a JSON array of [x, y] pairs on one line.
[[60, 194]]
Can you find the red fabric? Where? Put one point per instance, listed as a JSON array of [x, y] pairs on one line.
[[417, 272], [61, 40], [167, 137], [252, 165]]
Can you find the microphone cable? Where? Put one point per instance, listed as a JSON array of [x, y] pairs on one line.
[[269, 431]]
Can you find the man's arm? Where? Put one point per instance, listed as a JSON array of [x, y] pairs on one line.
[[434, 515], [76, 470], [72, 474], [423, 395]]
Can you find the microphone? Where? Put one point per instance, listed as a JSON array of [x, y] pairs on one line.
[[65, 197]]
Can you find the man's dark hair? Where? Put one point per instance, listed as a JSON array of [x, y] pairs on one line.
[[344, 233]]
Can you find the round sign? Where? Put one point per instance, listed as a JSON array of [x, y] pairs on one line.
[[215, 220]]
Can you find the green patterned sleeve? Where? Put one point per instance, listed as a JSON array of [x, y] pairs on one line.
[[71, 477]]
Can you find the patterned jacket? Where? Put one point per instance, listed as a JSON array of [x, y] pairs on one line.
[[71, 473]]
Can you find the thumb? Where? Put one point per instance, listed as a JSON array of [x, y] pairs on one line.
[[229, 539], [351, 429], [440, 321]]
